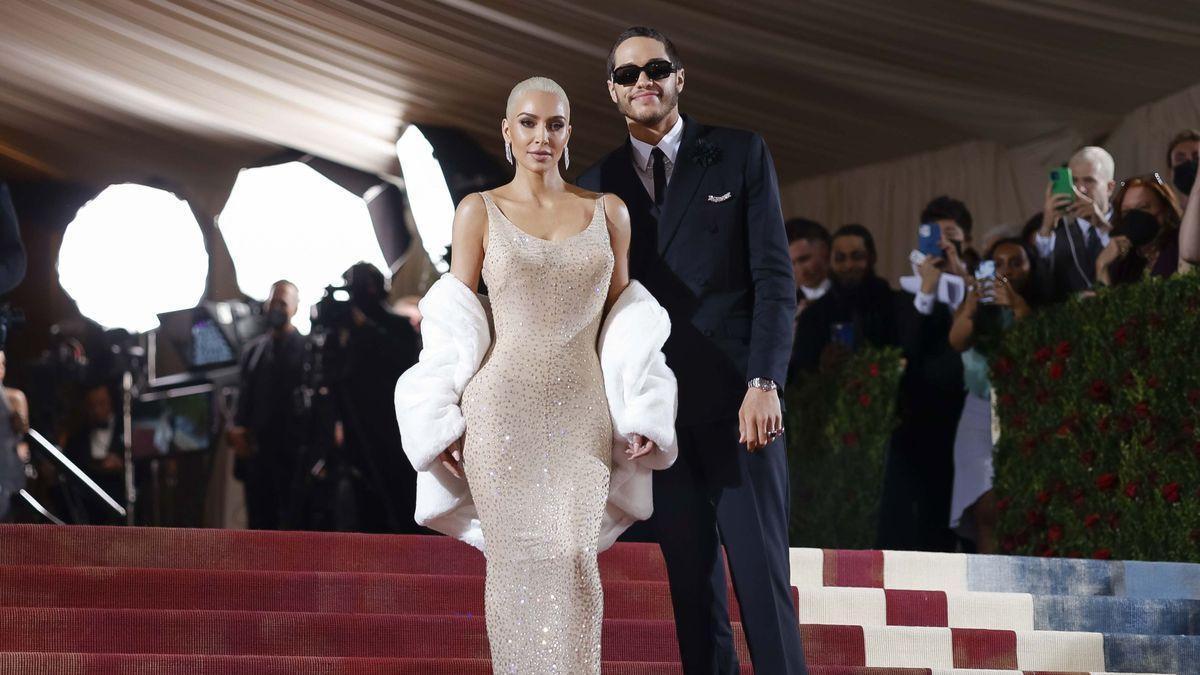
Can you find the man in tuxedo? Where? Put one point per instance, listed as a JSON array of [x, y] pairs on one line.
[[708, 241], [1075, 229]]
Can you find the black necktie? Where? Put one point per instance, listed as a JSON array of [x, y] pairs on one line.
[[660, 174], [1093, 244]]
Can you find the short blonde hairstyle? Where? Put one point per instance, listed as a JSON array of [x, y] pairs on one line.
[[536, 83], [1097, 155]]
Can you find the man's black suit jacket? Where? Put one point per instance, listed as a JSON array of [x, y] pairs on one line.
[[715, 256]]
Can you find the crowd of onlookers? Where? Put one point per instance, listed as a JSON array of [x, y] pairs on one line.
[[965, 289]]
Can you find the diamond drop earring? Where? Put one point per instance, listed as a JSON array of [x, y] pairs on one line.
[[508, 152], [566, 158]]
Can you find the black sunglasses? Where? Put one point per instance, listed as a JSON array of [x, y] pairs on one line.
[[627, 76]]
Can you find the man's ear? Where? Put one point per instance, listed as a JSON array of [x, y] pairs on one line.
[[679, 80], [612, 91]]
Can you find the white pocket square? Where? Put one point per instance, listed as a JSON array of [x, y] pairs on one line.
[[717, 200]]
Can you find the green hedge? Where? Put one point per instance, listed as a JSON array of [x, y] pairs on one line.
[[838, 423], [1098, 400]]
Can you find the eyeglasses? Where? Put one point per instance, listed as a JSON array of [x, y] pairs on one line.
[[1150, 177], [657, 69]]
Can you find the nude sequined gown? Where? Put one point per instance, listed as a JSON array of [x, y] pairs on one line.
[[538, 446]]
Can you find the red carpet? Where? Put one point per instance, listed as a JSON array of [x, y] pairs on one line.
[[77, 600]]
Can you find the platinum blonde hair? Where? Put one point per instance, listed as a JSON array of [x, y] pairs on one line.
[[1099, 156], [536, 83]]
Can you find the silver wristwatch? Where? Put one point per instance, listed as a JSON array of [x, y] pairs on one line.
[[763, 383]]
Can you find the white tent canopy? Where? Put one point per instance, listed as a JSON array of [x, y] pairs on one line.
[[190, 90]]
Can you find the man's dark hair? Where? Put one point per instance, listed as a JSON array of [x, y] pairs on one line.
[[642, 31], [1185, 136], [856, 230], [808, 230], [948, 207]]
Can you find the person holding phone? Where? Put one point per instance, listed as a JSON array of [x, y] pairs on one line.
[[1076, 220], [1003, 293]]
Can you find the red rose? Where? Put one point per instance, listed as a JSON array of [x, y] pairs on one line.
[[1102, 424], [1152, 382], [1131, 489], [1087, 457], [873, 370], [1124, 424], [1078, 497], [1090, 521], [1043, 355], [1007, 400], [1148, 441], [1035, 517], [1170, 492], [1009, 544], [1106, 481], [1002, 503], [864, 400], [1043, 497], [850, 439], [1114, 520], [1063, 350], [1056, 370], [1099, 390], [1018, 421], [1028, 447], [1003, 366], [1121, 336], [1142, 410], [1054, 534], [1127, 379], [1102, 554]]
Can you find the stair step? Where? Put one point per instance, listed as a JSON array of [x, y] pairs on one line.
[[958, 572], [175, 548], [381, 635], [34, 663], [273, 591]]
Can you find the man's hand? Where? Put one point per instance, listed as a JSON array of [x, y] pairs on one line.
[[760, 414], [1086, 208], [930, 272], [1054, 206]]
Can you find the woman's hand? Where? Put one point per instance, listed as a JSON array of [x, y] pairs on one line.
[[451, 458], [1117, 249], [1007, 296], [640, 446]]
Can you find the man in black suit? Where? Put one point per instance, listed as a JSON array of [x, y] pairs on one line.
[[708, 241], [1076, 228]]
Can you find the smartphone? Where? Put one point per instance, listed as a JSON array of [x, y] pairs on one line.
[[986, 276], [1061, 182], [929, 238], [843, 334]]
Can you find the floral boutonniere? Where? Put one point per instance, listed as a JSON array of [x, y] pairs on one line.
[[705, 153]]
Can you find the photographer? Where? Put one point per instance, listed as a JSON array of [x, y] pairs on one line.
[[267, 432], [367, 348], [14, 452], [999, 297], [97, 447]]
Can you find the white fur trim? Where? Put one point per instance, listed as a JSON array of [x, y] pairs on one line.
[[641, 391]]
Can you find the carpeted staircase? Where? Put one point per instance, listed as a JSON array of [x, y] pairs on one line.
[[197, 602]]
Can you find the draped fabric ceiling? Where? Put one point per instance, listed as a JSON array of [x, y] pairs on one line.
[[187, 91]]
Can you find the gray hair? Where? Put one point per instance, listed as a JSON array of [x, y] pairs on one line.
[[1097, 155], [536, 83]]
